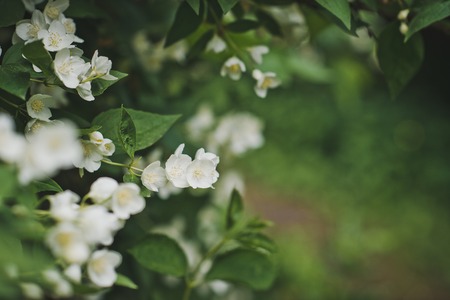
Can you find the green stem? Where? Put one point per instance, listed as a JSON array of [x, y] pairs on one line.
[[129, 167], [10, 103], [191, 278]]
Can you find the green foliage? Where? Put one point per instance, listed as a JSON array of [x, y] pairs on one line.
[[399, 61], [127, 133], [339, 8], [195, 4], [227, 5], [269, 23], [249, 267], [428, 15], [256, 241], [14, 80], [149, 127], [48, 185], [99, 86], [186, 22], [160, 253], [7, 178], [242, 25], [37, 55], [124, 281], [200, 44], [11, 12], [235, 210]]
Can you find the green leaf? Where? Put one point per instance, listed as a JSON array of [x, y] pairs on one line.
[[48, 185], [162, 254], [399, 61], [244, 266], [275, 2], [269, 23], [14, 81], [100, 85], [39, 56], [149, 127], [226, 5], [200, 44], [339, 8], [11, 12], [128, 177], [186, 22], [256, 241], [123, 280], [127, 133], [372, 4], [243, 25], [195, 5], [14, 54], [427, 16], [235, 209]]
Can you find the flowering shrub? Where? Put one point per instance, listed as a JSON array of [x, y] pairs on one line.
[[103, 229]]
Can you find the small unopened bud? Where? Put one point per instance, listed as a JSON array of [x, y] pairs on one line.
[[404, 28], [403, 14]]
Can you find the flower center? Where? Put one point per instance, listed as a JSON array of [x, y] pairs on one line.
[[99, 265], [64, 239], [37, 105], [235, 68], [198, 173], [33, 30], [267, 82], [124, 197], [52, 12], [54, 39]]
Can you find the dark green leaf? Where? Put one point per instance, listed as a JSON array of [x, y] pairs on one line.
[[242, 26], [128, 177], [269, 23], [339, 8], [256, 241], [226, 5], [214, 12], [195, 4], [399, 61], [37, 55], [85, 9], [14, 54], [11, 12], [200, 44], [149, 127], [123, 280], [127, 133], [258, 224], [235, 208], [428, 15], [14, 81], [186, 22], [48, 185], [372, 4], [100, 85], [162, 254], [244, 266]]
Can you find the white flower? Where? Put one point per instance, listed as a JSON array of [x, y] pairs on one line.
[[126, 200], [84, 90], [216, 44], [403, 15], [28, 30], [201, 173], [101, 267], [58, 94], [167, 190], [63, 206], [66, 241], [38, 107], [200, 122], [264, 81], [257, 52], [12, 145], [61, 287], [70, 27], [239, 132], [102, 189], [91, 160], [56, 38], [229, 181], [154, 176], [68, 68], [176, 167], [107, 147], [73, 272], [31, 290], [96, 137], [97, 224], [201, 154], [100, 67], [54, 8], [233, 67]]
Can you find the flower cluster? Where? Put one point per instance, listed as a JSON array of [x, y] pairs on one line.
[[181, 171], [81, 231], [233, 133], [94, 150], [57, 34], [234, 67]]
